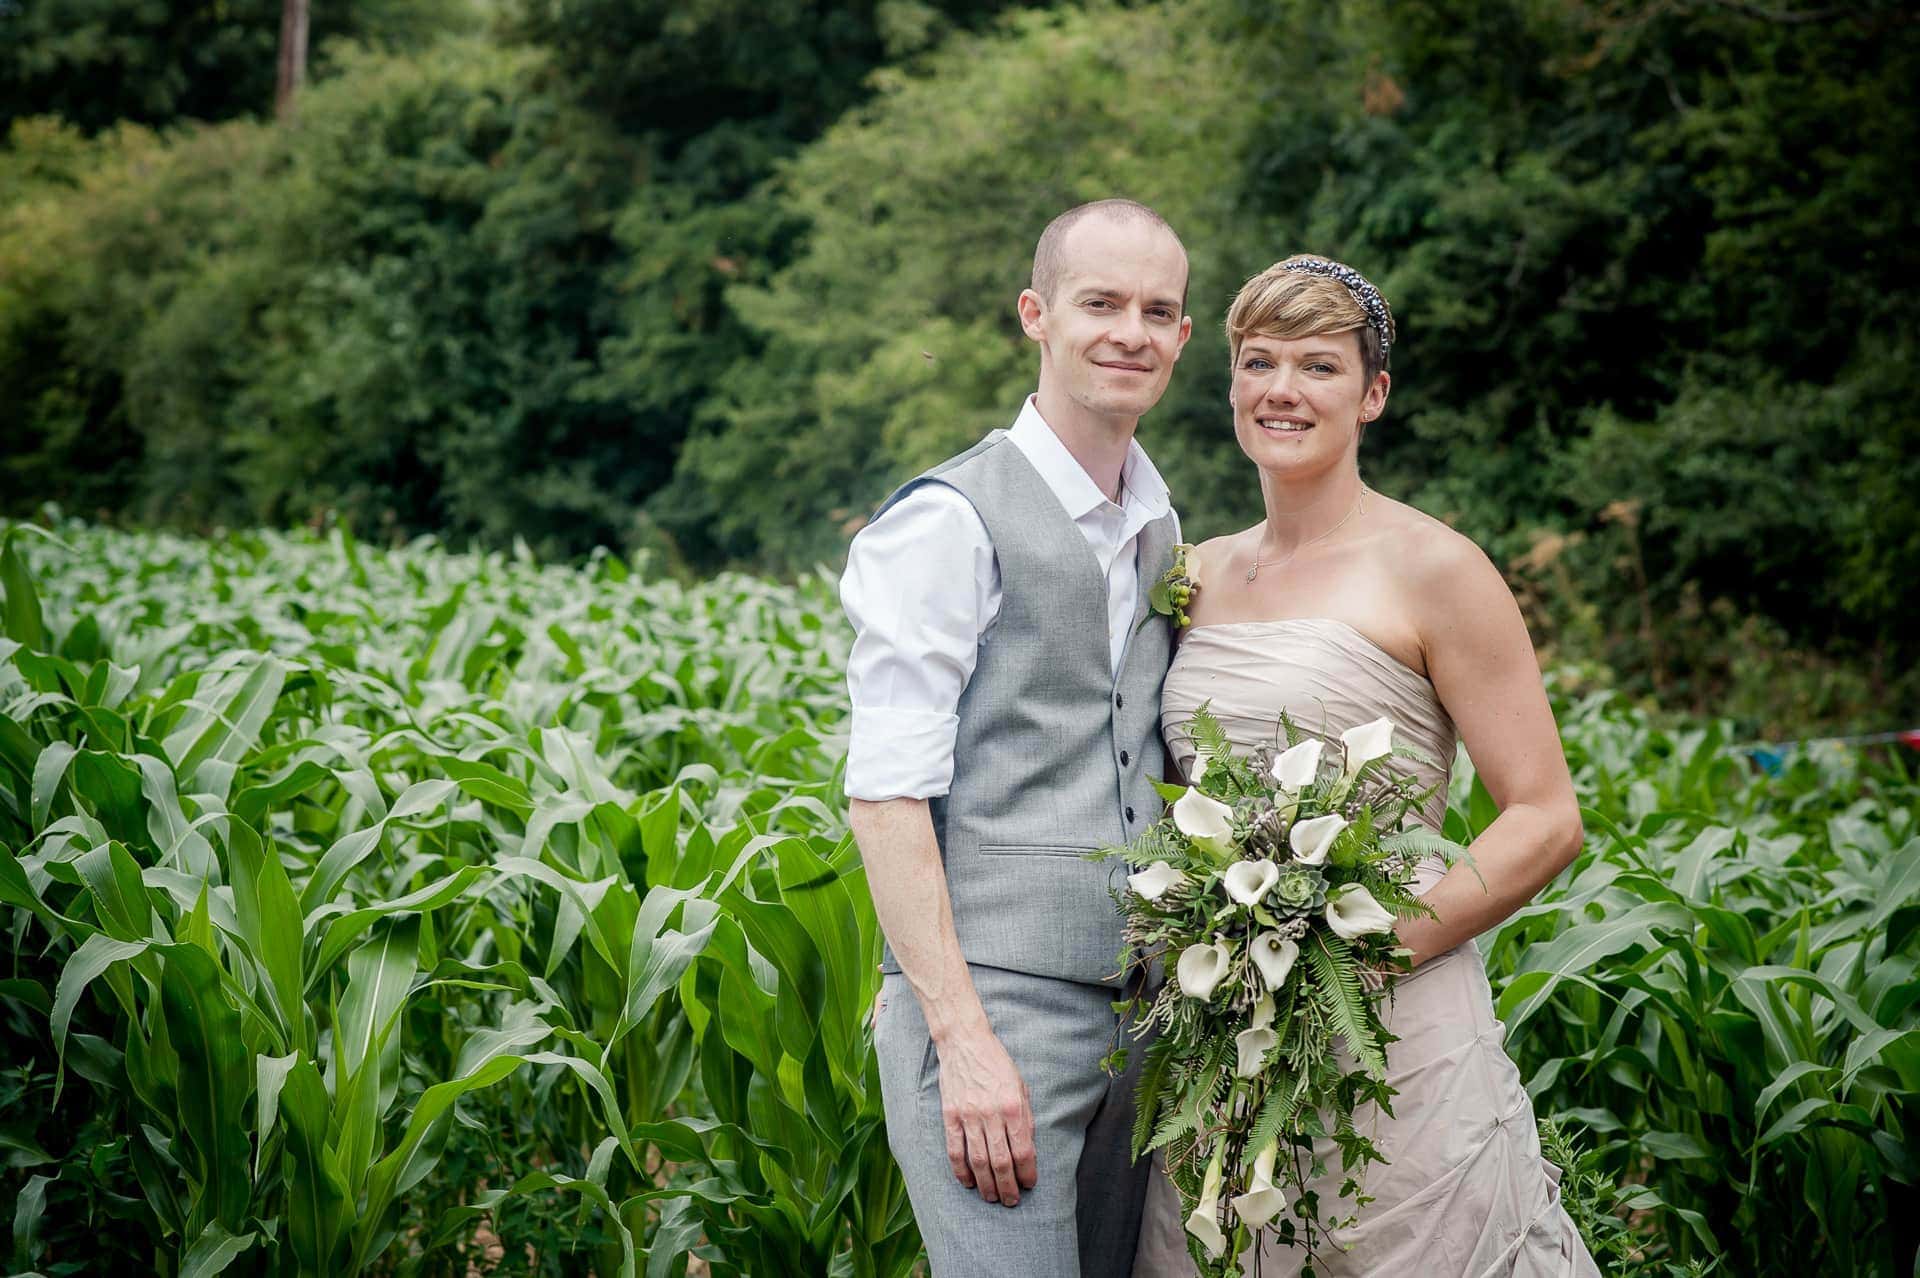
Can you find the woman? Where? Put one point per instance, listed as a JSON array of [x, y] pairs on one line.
[[1341, 606]]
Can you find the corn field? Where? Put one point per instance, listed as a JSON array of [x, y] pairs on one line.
[[409, 912]]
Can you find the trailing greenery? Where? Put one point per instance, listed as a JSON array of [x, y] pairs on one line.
[[401, 911]]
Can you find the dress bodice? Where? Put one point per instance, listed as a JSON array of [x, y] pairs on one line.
[[1464, 1192], [1326, 675]]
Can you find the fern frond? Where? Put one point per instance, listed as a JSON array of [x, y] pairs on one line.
[[1151, 1094], [1419, 841], [1181, 1121], [1338, 991], [1209, 738], [1277, 1111]]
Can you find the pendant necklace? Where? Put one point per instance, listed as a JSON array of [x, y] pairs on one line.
[[1254, 571]]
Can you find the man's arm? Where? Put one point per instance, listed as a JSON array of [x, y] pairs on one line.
[[921, 587], [988, 1116]]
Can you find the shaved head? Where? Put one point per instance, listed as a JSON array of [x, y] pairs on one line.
[[1049, 254]]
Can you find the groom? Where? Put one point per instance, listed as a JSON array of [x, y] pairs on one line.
[[1006, 702]]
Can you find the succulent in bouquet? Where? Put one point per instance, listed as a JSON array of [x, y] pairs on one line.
[[1267, 896]]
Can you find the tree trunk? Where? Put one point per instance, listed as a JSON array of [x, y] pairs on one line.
[[293, 57]]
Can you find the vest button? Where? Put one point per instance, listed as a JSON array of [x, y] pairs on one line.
[[1123, 758], [1129, 815], [1119, 701]]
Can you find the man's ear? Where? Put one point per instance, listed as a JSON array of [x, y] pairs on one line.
[[1032, 311]]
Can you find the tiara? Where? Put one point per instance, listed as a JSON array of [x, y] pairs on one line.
[[1378, 317]]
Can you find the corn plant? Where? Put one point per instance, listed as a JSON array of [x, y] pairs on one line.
[[366, 908], [1722, 988], [320, 859]]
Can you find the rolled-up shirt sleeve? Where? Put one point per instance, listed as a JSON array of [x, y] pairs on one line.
[[921, 587]]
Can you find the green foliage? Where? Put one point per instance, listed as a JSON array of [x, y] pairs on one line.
[[392, 312], [99, 62], [444, 843], [1722, 990], [1653, 257], [781, 70], [365, 898], [891, 340], [1648, 261]]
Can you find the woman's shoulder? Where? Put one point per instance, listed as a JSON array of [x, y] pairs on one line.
[[1448, 583], [1425, 552], [1214, 552]]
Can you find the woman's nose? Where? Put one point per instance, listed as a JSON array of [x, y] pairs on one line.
[[1280, 388]]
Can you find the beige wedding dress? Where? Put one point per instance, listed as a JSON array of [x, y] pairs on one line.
[[1465, 1192]]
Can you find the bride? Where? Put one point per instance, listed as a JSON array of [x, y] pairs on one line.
[[1341, 606]]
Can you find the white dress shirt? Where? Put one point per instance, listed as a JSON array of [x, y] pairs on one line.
[[923, 584]]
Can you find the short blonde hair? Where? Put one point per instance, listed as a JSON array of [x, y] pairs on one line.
[[1282, 303]]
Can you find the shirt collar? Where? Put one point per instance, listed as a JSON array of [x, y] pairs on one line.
[[1070, 482]]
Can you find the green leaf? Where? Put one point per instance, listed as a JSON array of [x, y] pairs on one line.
[[317, 1220], [94, 956], [27, 1210], [1580, 948], [213, 1251], [119, 894], [1338, 991], [20, 617], [215, 1081], [269, 921]]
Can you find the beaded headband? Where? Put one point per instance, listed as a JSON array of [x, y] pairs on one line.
[[1378, 318]]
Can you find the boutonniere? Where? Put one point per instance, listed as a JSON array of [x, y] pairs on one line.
[[1174, 591]]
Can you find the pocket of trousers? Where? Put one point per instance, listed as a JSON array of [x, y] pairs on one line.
[[1038, 849]]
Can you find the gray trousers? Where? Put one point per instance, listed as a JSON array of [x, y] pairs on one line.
[[1083, 1215]]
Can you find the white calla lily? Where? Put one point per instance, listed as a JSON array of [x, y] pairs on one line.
[[1298, 765], [1204, 1223], [1155, 881], [1352, 912], [1253, 1044], [1311, 839], [1248, 881], [1263, 1200], [1201, 969], [1367, 742], [1273, 954], [1263, 1010], [1208, 822]]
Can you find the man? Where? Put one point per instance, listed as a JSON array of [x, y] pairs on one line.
[[1005, 678]]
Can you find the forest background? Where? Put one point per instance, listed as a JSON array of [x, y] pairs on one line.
[[705, 279]]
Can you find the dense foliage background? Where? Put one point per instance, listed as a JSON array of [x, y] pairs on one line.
[[710, 278], [378, 909]]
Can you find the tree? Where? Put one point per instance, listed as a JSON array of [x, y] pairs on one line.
[[293, 57]]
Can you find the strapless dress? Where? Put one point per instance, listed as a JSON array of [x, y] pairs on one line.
[[1465, 1192]]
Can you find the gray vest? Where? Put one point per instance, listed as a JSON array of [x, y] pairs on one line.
[[1054, 755]]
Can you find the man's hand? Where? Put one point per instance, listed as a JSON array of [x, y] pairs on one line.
[[989, 1118], [983, 1100]]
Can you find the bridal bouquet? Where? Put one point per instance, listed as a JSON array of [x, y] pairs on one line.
[[1271, 889]]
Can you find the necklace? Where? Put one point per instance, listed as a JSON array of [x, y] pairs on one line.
[[1254, 571]]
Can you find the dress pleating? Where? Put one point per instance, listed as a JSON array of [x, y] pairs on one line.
[[1465, 1192]]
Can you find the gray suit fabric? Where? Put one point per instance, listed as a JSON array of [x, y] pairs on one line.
[[1038, 777], [1054, 757]]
